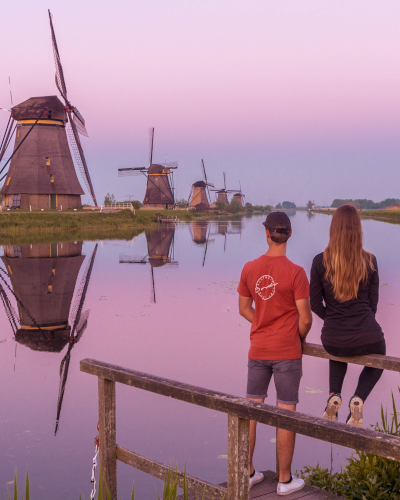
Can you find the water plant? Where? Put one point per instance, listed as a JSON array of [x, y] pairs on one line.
[[366, 476]]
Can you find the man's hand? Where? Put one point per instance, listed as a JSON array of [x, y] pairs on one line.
[[305, 321], [246, 308]]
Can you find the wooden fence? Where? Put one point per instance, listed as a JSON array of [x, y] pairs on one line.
[[240, 411]]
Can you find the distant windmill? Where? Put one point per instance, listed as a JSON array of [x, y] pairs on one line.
[[239, 196], [41, 171], [160, 180], [198, 196], [222, 194], [160, 252]]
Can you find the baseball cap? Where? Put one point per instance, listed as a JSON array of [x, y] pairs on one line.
[[278, 222]]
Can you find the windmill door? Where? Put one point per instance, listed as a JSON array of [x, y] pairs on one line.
[[53, 201]]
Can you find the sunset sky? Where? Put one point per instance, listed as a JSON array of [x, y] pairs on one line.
[[297, 99]]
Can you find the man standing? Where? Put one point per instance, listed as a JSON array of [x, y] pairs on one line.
[[280, 320]]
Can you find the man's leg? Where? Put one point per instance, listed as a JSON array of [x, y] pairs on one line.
[[285, 448], [253, 432]]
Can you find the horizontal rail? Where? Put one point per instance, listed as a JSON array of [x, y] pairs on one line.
[[156, 469], [325, 430], [372, 360]]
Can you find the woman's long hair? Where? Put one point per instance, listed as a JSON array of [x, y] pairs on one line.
[[346, 263]]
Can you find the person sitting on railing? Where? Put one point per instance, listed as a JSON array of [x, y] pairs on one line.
[[345, 277], [281, 317]]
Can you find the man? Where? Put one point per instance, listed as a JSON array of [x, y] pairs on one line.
[[280, 320]]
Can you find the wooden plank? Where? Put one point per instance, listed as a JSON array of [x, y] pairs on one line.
[[156, 469], [333, 432], [372, 360], [238, 458], [107, 435]]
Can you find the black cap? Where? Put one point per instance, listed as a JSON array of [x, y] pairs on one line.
[[278, 222]]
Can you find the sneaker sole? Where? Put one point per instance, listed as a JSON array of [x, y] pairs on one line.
[[356, 419], [331, 409], [257, 481], [290, 492]]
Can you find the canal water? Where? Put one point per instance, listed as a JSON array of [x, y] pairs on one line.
[[165, 303]]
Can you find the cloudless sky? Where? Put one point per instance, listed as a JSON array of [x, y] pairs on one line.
[[297, 99]]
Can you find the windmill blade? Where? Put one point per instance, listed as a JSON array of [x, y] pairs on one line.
[[64, 367], [240, 188], [224, 180], [151, 144], [10, 311], [129, 259], [153, 287], [81, 294], [124, 172], [60, 80], [79, 122], [7, 137], [80, 157], [205, 179], [170, 164], [83, 322]]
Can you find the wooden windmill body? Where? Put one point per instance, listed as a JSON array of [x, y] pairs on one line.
[[41, 172], [239, 196], [222, 194], [159, 189], [198, 198]]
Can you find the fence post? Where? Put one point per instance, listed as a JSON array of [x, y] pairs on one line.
[[238, 458], [107, 435]]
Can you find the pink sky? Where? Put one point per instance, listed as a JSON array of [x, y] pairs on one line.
[[298, 94]]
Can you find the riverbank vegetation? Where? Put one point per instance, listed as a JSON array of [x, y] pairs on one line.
[[367, 476], [366, 204], [384, 215]]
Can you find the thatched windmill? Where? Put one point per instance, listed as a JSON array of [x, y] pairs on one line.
[[239, 196], [198, 195], [42, 282], [160, 181], [160, 252], [222, 194], [41, 172]]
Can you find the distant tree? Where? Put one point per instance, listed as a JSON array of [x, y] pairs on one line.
[[181, 203], [288, 204], [279, 205], [249, 207], [234, 206], [109, 198], [136, 204], [220, 205], [310, 204]]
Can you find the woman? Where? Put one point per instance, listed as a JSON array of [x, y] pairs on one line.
[[344, 292]]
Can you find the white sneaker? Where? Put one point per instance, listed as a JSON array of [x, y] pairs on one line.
[[356, 412], [332, 407], [257, 478], [288, 488]]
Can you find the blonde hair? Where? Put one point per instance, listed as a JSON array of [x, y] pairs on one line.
[[346, 263]]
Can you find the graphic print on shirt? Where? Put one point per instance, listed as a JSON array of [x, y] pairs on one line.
[[265, 287]]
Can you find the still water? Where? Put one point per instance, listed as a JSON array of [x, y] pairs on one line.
[[164, 303]]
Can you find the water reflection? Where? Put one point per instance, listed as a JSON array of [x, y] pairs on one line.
[[160, 252], [42, 282]]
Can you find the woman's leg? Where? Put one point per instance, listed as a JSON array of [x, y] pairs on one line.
[[369, 376], [337, 372]]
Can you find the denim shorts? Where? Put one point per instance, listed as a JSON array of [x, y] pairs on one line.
[[287, 375]]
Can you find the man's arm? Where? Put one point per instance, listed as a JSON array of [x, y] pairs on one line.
[[246, 308], [305, 321]]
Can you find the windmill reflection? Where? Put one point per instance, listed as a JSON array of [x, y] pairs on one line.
[[160, 253], [223, 228], [43, 280], [200, 231]]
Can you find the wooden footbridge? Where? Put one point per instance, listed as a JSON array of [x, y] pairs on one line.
[[240, 411]]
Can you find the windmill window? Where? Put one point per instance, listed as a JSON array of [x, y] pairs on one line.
[[47, 160], [17, 200], [18, 132], [51, 178], [53, 272], [8, 180], [49, 288], [49, 113]]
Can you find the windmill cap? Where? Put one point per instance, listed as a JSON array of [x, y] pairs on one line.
[[278, 222]]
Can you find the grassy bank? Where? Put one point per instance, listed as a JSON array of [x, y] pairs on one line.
[[392, 216], [18, 222]]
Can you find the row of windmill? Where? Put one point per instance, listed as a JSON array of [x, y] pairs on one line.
[[160, 190], [41, 172]]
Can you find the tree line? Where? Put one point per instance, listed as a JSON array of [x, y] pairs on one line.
[[366, 204]]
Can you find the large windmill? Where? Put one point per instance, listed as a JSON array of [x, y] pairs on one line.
[[41, 172], [222, 194], [160, 252], [198, 196], [160, 180], [42, 282]]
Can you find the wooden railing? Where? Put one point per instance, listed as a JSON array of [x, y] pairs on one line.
[[240, 411]]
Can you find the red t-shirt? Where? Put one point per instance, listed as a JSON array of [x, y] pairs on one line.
[[275, 283]]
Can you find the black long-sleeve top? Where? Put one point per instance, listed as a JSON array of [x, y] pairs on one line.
[[346, 324]]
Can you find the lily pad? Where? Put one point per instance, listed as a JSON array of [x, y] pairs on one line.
[[312, 390]]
